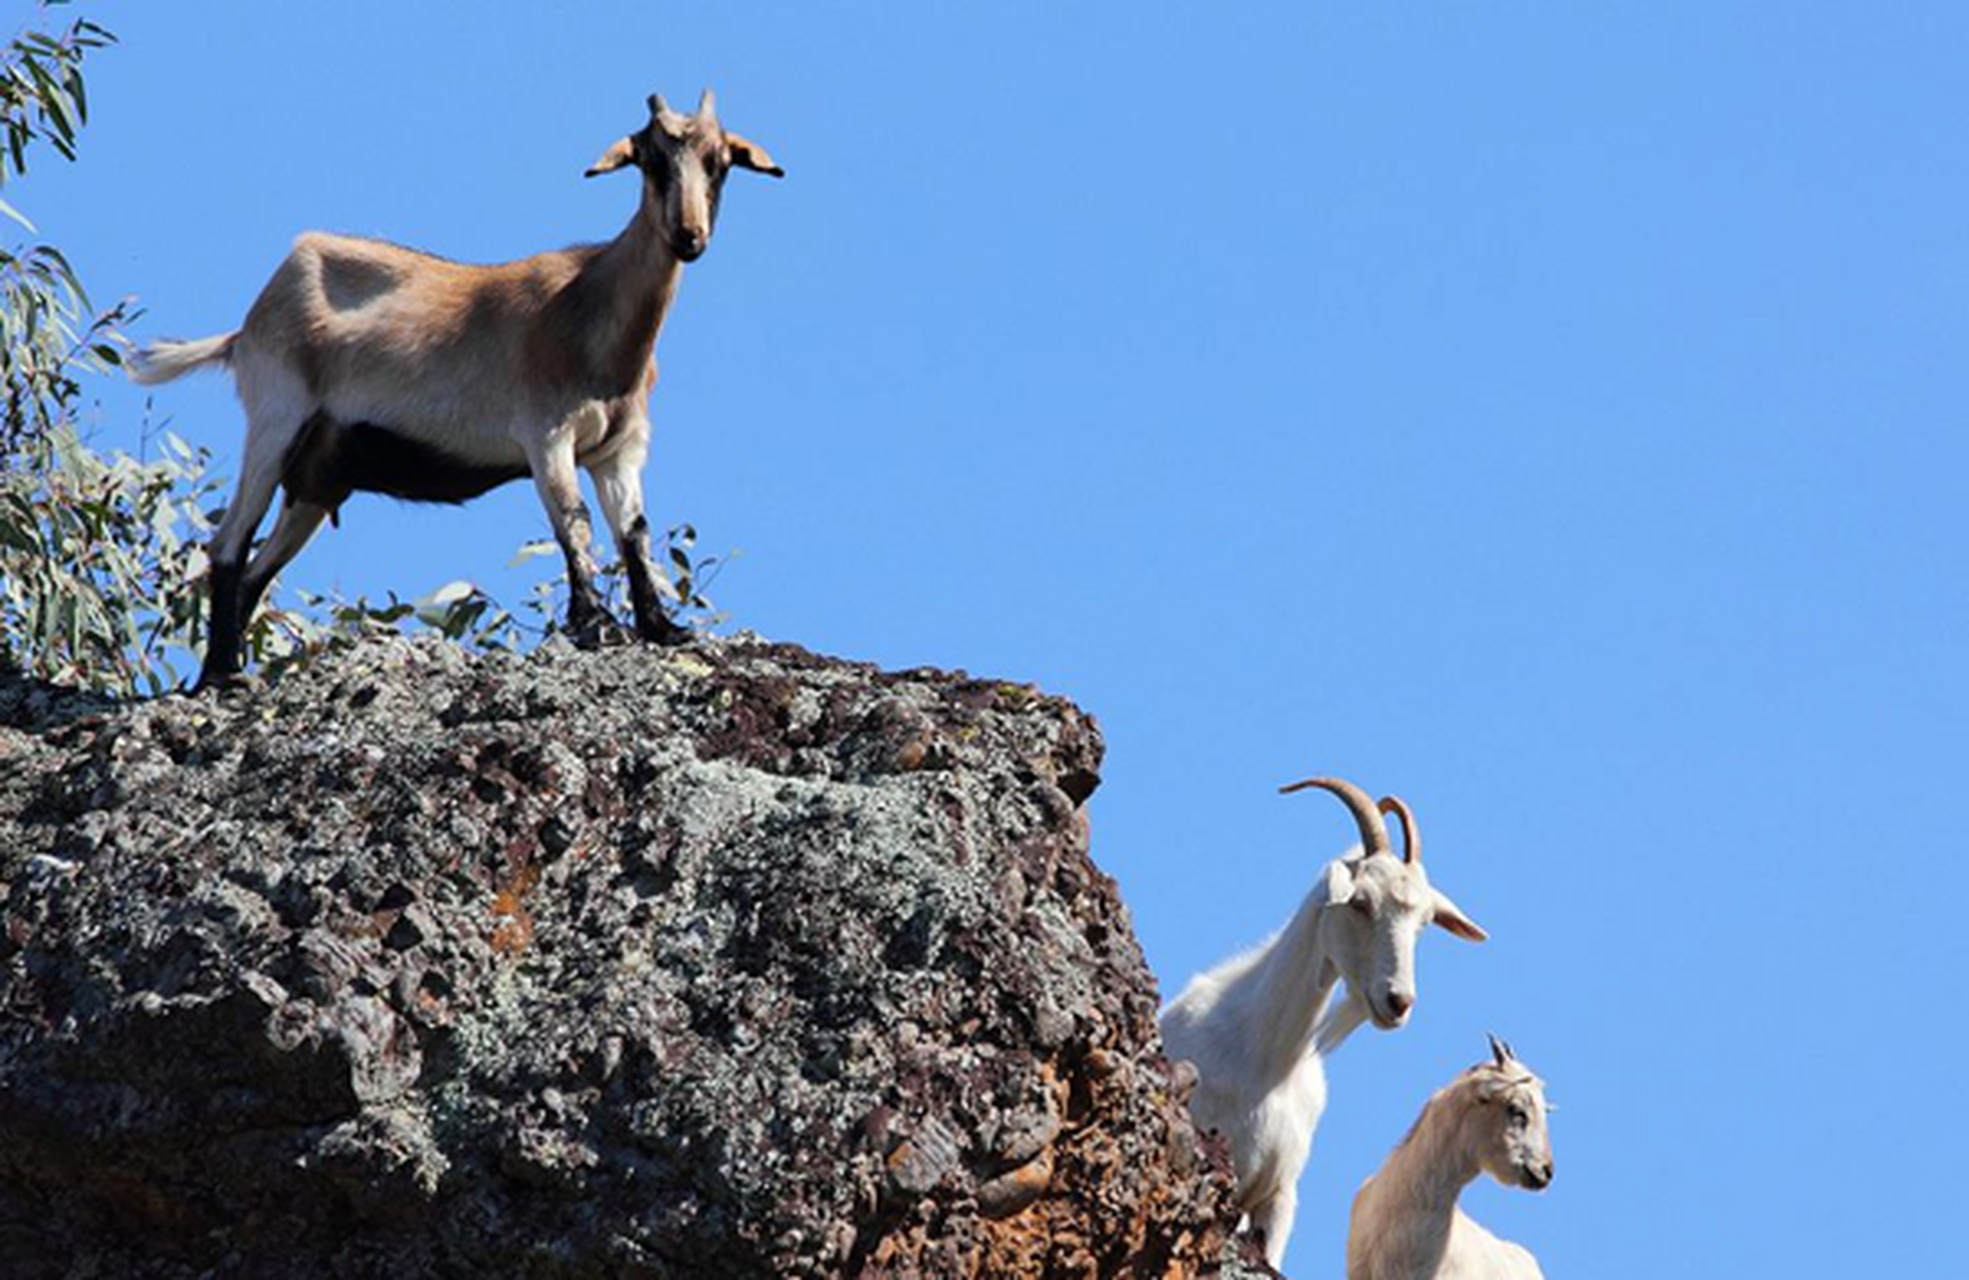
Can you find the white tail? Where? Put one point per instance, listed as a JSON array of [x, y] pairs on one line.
[[168, 360]]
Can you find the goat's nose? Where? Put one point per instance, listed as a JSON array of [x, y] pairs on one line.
[[1543, 1174], [1399, 1003]]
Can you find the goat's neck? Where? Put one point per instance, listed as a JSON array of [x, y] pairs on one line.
[[1290, 988], [1419, 1185], [631, 283]]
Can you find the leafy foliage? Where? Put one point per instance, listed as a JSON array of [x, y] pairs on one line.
[[42, 96], [49, 330], [103, 577], [97, 558]]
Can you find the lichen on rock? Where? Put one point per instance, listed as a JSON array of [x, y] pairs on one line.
[[731, 962]]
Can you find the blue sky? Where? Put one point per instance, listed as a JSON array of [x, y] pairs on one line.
[[1552, 416]]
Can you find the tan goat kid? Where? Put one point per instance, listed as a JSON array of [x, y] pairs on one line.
[[364, 366], [1406, 1226]]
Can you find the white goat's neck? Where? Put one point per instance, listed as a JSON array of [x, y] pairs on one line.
[[1418, 1187], [1288, 989]]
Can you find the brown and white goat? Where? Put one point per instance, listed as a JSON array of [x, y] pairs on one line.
[[364, 366]]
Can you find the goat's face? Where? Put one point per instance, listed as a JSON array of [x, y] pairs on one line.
[[684, 160], [1378, 906], [1513, 1140]]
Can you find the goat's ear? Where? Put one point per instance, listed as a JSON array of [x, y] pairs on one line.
[[750, 155], [1451, 917], [620, 152], [1337, 884]]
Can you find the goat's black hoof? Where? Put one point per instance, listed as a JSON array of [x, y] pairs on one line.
[[598, 632], [218, 682], [666, 633]]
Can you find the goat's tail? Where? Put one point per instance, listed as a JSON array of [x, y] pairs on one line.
[[168, 360]]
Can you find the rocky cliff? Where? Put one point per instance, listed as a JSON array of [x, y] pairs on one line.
[[729, 962]]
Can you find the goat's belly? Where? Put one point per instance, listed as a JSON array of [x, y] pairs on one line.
[[332, 460]]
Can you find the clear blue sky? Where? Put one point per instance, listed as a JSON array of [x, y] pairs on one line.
[[1554, 417]]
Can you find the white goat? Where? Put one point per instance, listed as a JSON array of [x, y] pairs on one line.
[[1253, 1026], [366, 366], [1406, 1226]]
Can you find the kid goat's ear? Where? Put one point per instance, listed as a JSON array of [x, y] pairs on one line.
[[620, 152], [1451, 917]]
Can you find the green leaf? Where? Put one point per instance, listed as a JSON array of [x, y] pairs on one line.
[[531, 551], [449, 593], [17, 216]]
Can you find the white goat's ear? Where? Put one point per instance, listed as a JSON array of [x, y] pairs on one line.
[[1338, 884], [1451, 917], [750, 155], [620, 152]]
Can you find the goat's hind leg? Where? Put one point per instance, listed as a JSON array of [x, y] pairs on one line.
[[259, 474], [618, 485], [296, 524], [589, 623]]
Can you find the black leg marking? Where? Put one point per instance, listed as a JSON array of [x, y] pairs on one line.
[[251, 591], [222, 635], [589, 623], [652, 623]]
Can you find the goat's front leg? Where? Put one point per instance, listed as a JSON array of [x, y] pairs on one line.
[[619, 486], [589, 622], [1273, 1221]]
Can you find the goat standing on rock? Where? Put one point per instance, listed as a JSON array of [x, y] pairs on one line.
[[1406, 1226], [1253, 1026], [367, 366]]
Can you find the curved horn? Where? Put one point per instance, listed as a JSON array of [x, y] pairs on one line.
[[1411, 834], [657, 106], [1501, 1051], [1374, 832], [707, 105]]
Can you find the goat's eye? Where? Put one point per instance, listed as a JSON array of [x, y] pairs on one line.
[[1520, 1117], [1361, 905]]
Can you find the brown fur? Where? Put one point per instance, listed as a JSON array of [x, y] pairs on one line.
[[365, 365]]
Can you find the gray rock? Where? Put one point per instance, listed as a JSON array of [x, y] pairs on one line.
[[725, 962]]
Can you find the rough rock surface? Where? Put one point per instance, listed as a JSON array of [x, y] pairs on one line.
[[730, 962]]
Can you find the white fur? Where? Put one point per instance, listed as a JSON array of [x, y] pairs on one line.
[[1257, 1025], [1406, 1224]]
